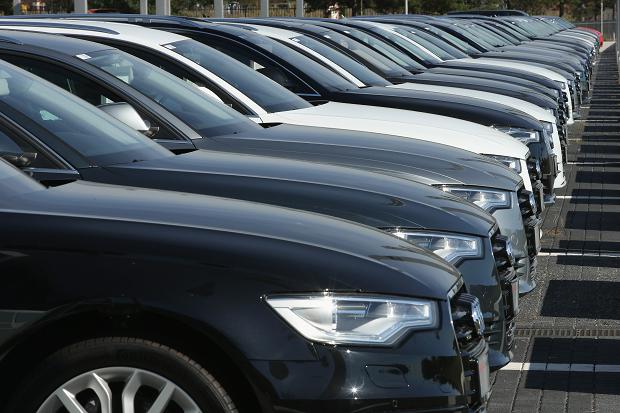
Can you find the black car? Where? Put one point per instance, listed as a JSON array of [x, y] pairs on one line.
[[165, 103], [62, 139], [186, 303]]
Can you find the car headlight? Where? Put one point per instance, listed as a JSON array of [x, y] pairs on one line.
[[523, 135], [452, 248], [509, 162], [354, 319], [487, 199]]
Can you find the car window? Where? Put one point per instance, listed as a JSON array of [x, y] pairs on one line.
[[392, 53], [269, 95], [202, 113], [71, 121], [14, 145], [93, 92], [262, 65]]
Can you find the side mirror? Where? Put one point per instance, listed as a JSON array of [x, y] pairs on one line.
[[21, 160], [124, 112]]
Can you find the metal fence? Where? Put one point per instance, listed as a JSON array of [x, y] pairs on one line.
[[609, 28], [254, 11]]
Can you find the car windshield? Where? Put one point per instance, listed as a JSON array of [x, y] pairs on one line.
[[199, 111], [263, 91], [384, 48], [74, 123], [14, 182], [415, 36], [361, 72], [385, 66], [458, 43], [408, 44]]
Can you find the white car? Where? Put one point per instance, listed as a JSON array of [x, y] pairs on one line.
[[550, 74], [154, 45]]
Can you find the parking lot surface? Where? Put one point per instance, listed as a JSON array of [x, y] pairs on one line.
[[567, 356]]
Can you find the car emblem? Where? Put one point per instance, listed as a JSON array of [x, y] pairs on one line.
[[476, 315]]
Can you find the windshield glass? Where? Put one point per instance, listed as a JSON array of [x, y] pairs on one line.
[[458, 43], [263, 91], [414, 36], [501, 34], [408, 44], [382, 64], [361, 72], [384, 48], [202, 113], [468, 35], [14, 182], [95, 135]]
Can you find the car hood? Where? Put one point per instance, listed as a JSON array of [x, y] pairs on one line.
[[417, 125], [459, 107], [422, 161], [521, 105], [369, 198], [517, 65], [389, 265]]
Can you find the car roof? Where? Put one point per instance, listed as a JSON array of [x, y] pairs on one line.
[[65, 45], [103, 29]]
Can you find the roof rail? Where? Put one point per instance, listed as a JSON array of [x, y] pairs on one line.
[[43, 23]]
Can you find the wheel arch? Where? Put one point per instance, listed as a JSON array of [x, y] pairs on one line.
[[56, 331]]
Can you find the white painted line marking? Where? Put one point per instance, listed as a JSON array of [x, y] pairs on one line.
[[579, 254], [594, 198], [582, 367], [593, 163], [607, 368], [558, 367], [513, 366], [562, 367]]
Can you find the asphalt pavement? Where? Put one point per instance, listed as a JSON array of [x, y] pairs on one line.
[[567, 356]]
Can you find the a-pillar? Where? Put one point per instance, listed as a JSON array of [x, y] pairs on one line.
[[80, 6], [162, 7], [264, 8]]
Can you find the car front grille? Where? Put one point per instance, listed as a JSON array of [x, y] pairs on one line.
[[531, 222], [472, 345], [537, 185], [509, 283]]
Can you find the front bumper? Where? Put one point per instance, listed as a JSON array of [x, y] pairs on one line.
[[526, 267], [441, 370]]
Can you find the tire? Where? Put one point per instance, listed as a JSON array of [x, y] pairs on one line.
[[117, 362]]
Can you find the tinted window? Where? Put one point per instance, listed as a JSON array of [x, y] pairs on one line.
[[202, 113], [358, 70], [72, 121], [266, 93], [85, 88]]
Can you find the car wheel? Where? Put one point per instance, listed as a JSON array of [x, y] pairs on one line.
[[120, 374]]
